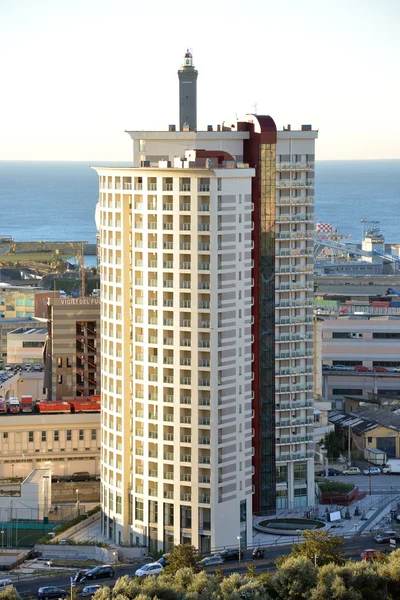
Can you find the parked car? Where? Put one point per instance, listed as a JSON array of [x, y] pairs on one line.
[[51, 591], [372, 471], [8, 368], [149, 569], [396, 370], [386, 536], [381, 370], [80, 476], [37, 367], [331, 473], [211, 561], [27, 367], [90, 590], [79, 576], [361, 369], [341, 368], [326, 368], [100, 572], [369, 554], [232, 554], [163, 560], [351, 471]]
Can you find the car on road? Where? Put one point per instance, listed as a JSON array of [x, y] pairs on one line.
[[51, 591], [211, 561], [361, 369], [381, 370], [100, 572], [351, 471], [331, 473], [369, 554], [386, 536], [149, 569], [372, 471], [163, 560], [232, 554], [89, 590], [341, 368], [79, 576]]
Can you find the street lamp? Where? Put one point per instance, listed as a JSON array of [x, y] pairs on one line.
[[239, 539], [298, 535], [77, 501]]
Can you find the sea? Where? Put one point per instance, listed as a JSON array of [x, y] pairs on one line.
[[55, 201]]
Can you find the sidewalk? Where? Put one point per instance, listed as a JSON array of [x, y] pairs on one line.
[[374, 515]]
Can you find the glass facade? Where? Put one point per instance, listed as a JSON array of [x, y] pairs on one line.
[[267, 162]]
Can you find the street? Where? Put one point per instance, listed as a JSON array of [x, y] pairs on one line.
[[353, 549], [380, 484]]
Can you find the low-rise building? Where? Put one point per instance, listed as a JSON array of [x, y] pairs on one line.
[[23, 301], [72, 354], [368, 427], [65, 443], [30, 500], [23, 384], [25, 345], [7, 325]]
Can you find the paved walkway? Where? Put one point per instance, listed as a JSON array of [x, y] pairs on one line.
[[374, 515]]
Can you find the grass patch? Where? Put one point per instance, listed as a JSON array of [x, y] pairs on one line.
[[336, 487]]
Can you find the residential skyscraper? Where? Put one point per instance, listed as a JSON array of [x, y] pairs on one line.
[[206, 292]]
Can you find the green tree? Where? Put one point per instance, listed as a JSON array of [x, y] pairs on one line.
[[331, 442], [183, 555], [318, 547], [10, 594], [295, 579], [352, 581]]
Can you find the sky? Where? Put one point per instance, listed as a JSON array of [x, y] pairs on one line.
[[77, 73]]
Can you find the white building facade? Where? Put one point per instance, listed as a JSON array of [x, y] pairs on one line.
[[176, 385]]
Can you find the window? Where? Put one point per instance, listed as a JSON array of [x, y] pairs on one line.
[[219, 184], [139, 510], [300, 497], [20, 313], [60, 378], [281, 499], [370, 440], [281, 474], [346, 392], [69, 362], [118, 503], [111, 500], [341, 334], [81, 435], [20, 302], [29, 302], [44, 436], [69, 435], [32, 344], [30, 436], [5, 435], [59, 362], [56, 436], [347, 363], [300, 471], [386, 336], [94, 434]]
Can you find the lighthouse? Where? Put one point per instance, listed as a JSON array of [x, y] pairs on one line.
[[187, 94]]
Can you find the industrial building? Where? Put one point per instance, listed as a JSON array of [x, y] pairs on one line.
[[369, 341], [63, 443], [72, 353], [206, 252]]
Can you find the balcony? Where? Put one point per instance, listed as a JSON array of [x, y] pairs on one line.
[[294, 456], [204, 499]]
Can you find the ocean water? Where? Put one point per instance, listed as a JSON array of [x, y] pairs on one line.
[[56, 200]]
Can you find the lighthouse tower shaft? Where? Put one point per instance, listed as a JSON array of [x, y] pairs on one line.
[[187, 94]]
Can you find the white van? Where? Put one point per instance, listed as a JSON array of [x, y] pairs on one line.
[[6, 584]]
